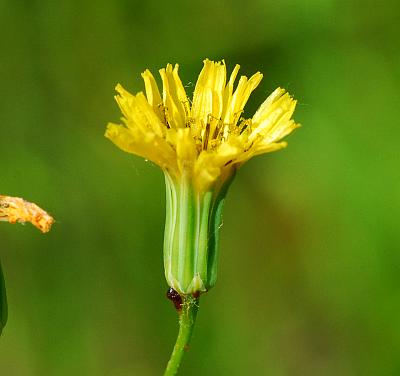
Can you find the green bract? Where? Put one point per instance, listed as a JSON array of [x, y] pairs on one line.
[[193, 222]]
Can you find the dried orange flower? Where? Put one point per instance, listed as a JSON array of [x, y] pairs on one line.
[[15, 209]]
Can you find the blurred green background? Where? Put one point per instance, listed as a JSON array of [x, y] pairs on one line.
[[309, 280]]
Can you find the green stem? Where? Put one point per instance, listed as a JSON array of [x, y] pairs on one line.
[[3, 302], [187, 318]]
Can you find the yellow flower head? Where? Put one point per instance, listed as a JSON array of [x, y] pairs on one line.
[[206, 138]]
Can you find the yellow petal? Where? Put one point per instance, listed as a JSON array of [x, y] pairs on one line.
[[147, 145], [152, 121], [228, 92], [152, 93], [240, 97], [186, 152], [261, 148], [208, 94], [210, 163], [176, 104], [273, 117]]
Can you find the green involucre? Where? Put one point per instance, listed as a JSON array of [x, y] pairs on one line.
[[193, 222]]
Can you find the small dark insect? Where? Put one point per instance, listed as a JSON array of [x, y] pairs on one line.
[[196, 294], [175, 298]]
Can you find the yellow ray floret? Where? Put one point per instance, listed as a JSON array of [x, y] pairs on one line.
[[206, 136]]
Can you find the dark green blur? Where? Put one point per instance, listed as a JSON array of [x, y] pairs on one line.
[[309, 278]]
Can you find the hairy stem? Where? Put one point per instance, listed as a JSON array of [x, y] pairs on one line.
[[187, 318]]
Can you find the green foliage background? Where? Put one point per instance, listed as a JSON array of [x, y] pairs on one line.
[[309, 280]]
